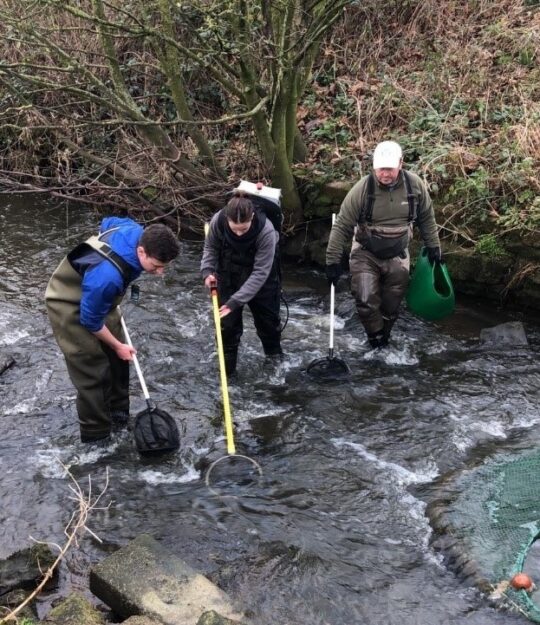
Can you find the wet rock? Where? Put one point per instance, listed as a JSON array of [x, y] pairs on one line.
[[74, 610], [141, 620], [25, 568], [143, 578], [505, 334], [13, 599], [6, 362], [213, 618]]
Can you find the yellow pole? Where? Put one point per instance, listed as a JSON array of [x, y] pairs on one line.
[[222, 372]]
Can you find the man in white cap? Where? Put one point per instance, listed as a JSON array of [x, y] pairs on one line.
[[378, 215]]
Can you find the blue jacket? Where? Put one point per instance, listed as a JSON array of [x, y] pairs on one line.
[[103, 283]]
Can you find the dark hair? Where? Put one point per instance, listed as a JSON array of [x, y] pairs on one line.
[[160, 242], [239, 208]]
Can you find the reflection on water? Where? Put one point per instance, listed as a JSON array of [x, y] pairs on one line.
[[335, 531]]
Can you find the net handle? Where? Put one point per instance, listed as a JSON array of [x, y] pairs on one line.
[[231, 449], [332, 304], [135, 359]]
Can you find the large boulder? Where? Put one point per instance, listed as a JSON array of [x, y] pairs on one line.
[[143, 578]]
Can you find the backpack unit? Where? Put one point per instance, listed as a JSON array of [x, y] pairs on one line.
[[385, 242], [366, 213], [265, 199]]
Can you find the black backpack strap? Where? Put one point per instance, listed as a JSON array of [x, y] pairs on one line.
[[411, 197], [366, 212], [104, 249], [107, 252], [95, 244]]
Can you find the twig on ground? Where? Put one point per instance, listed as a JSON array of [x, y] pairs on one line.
[[76, 525]]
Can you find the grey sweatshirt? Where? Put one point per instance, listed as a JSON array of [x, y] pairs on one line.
[[265, 246]]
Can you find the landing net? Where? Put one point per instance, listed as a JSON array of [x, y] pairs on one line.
[[493, 522]]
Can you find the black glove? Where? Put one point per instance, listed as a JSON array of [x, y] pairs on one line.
[[333, 272], [434, 255]]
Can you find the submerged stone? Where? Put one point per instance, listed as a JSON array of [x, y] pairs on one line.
[[505, 334]]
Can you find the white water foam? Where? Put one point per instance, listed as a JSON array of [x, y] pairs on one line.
[[393, 356], [423, 475], [253, 410], [49, 460], [415, 508], [158, 477], [50, 464], [13, 337]]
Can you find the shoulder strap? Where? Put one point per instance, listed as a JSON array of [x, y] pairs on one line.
[[366, 212], [108, 253], [411, 197], [270, 210]]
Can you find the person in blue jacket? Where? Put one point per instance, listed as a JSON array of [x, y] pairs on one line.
[[82, 299]]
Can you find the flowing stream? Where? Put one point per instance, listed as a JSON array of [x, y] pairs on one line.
[[335, 532]]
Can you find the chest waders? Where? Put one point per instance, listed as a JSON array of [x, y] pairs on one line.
[[99, 376], [379, 265]]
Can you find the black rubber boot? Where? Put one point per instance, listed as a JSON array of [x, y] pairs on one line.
[[387, 329], [376, 339], [97, 442], [119, 419]]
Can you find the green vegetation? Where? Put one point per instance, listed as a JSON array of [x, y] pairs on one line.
[[488, 245]]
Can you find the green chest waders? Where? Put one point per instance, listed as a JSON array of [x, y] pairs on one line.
[[99, 376]]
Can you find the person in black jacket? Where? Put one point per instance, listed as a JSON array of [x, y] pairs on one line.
[[240, 258]]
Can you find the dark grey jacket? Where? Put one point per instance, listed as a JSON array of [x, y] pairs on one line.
[[264, 258]]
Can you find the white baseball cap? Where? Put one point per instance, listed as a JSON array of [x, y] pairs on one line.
[[387, 154]]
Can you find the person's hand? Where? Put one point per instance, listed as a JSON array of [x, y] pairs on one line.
[[224, 311], [333, 272], [210, 281], [434, 255], [125, 351]]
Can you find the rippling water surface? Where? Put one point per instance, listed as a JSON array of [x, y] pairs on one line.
[[335, 532]]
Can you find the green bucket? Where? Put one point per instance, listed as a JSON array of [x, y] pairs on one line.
[[430, 294]]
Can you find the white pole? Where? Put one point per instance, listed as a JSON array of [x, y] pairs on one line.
[[332, 301], [135, 359]]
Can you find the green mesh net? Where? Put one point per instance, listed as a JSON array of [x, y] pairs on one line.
[[493, 521]]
